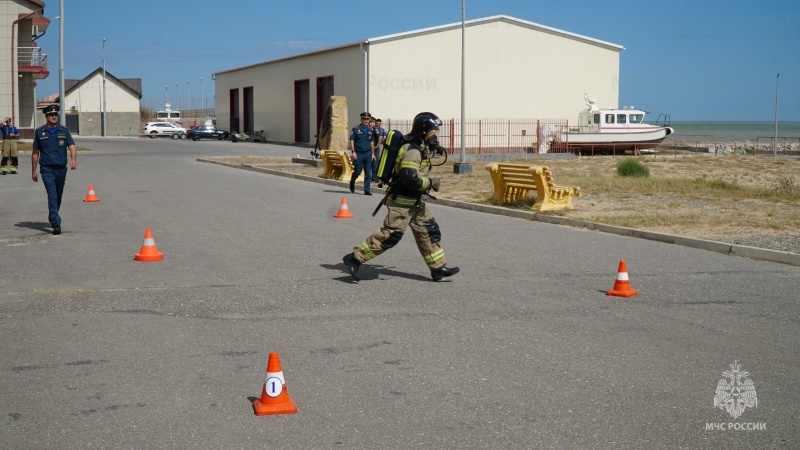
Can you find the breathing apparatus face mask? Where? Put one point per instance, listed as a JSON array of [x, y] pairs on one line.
[[432, 142]]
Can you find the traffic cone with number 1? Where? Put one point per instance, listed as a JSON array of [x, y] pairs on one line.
[[274, 396]]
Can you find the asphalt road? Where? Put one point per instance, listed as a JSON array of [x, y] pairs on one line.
[[522, 349]]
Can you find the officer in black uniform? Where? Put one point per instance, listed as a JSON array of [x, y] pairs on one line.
[[51, 142], [361, 147], [407, 206]]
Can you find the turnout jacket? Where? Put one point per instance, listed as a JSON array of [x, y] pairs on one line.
[[410, 184]]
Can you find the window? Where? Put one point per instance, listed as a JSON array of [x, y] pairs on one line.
[[622, 118], [636, 118], [597, 118], [609, 118]]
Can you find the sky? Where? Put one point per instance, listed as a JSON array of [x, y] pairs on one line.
[[701, 60]]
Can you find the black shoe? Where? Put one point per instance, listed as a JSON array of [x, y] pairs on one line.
[[352, 186], [442, 272], [56, 230], [367, 193], [352, 266], [380, 185]]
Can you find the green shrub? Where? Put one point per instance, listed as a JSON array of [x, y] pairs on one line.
[[786, 185], [632, 168]]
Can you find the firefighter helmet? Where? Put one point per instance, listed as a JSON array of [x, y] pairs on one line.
[[426, 125]]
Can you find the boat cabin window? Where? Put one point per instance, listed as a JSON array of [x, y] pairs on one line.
[[164, 115], [636, 118], [609, 118], [597, 118], [622, 118]]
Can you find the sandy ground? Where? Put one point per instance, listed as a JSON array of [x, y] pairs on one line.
[[748, 200]]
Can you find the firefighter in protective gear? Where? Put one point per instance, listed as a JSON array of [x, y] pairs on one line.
[[407, 207]]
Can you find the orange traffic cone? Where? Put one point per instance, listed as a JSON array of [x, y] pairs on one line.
[[91, 197], [622, 287], [344, 211], [149, 251], [274, 396]]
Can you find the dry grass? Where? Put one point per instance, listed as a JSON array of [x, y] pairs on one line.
[[705, 197]]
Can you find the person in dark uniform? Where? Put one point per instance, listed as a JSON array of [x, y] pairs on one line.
[[380, 136], [404, 200], [361, 148], [50, 145]]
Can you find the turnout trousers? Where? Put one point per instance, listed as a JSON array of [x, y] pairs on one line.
[[423, 226], [10, 153]]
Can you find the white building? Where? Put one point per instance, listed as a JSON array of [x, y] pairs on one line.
[[514, 69], [84, 104]]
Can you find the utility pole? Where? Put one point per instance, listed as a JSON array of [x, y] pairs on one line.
[[775, 140], [61, 62], [105, 129], [202, 97], [462, 166], [177, 105], [188, 96]]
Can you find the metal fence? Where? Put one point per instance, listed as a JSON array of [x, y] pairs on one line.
[[492, 136], [32, 57]]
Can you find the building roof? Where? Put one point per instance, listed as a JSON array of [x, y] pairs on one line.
[[440, 28], [133, 84], [499, 18]]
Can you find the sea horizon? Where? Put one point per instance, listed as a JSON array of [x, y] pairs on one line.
[[735, 131]]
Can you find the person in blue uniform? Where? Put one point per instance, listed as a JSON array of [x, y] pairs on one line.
[[380, 136], [362, 145], [51, 142], [10, 153]]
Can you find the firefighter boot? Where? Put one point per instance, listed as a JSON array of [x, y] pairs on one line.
[[352, 265], [442, 272]]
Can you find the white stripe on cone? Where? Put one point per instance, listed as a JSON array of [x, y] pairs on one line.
[[278, 375]]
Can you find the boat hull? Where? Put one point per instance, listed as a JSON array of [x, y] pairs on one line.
[[611, 142]]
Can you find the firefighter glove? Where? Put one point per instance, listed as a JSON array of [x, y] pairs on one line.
[[435, 183]]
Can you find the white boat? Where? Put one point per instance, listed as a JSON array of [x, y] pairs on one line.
[[610, 130], [168, 115]]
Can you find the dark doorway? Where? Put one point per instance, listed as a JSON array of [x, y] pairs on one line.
[[73, 120], [302, 108], [234, 111], [324, 92], [247, 93]]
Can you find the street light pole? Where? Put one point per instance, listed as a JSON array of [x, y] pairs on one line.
[[177, 105], [775, 140], [105, 122], [202, 97], [462, 166], [188, 96], [61, 98]]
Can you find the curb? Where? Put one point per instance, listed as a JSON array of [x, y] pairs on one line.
[[714, 246]]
